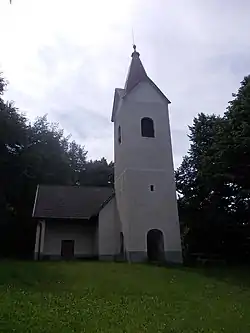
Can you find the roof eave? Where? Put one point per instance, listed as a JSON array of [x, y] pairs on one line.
[[159, 91], [44, 217], [34, 206], [106, 202]]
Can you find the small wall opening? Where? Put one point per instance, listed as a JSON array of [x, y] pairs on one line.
[[119, 135], [121, 243], [152, 188], [155, 245]]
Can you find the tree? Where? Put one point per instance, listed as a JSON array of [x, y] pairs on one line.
[[77, 161], [13, 140], [98, 173], [32, 154], [213, 180]]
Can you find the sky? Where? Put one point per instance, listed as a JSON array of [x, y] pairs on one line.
[[64, 58]]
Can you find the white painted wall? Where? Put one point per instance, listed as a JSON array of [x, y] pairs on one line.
[[149, 210], [140, 162], [109, 230], [136, 151], [84, 237]]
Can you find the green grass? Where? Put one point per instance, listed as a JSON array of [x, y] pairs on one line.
[[108, 297]]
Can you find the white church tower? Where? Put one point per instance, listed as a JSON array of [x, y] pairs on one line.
[[144, 172]]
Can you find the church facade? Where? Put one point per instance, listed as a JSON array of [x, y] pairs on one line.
[[138, 221]]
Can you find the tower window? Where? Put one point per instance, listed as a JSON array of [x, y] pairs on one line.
[[152, 188], [119, 135], [147, 128]]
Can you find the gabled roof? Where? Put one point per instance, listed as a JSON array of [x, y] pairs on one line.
[[70, 202]]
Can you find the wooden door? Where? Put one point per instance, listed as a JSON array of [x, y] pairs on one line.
[[67, 249]]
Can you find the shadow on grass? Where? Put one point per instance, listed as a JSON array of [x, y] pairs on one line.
[[56, 276], [233, 275], [42, 276]]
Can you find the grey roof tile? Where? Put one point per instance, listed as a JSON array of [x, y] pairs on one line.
[[78, 202]]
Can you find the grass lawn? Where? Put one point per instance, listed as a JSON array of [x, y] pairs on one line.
[[108, 297]]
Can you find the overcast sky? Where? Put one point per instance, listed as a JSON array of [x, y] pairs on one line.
[[65, 58]]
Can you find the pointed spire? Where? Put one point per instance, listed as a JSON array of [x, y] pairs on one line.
[[136, 71]]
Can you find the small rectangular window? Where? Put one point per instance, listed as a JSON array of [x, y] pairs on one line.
[[152, 188], [119, 135]]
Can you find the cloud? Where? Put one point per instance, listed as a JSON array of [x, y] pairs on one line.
[[66, 57], [180, 144]]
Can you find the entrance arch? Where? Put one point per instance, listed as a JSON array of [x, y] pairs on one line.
[[155, 245]]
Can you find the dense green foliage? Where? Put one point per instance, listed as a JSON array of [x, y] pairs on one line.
[[32, 154], [214, 182], [110, 297]]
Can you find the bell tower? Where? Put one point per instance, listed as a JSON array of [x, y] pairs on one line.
[[144, 172]]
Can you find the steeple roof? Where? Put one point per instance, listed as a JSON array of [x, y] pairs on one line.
[[136, 72]]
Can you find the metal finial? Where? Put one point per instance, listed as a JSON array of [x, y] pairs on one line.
[[135, 53]]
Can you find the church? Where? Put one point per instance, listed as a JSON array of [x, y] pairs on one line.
[[137, 221]]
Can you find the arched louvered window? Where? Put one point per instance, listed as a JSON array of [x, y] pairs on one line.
[[119, 135], [147, 128]]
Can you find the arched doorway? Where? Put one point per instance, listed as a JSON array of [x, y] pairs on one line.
[[155, 245]]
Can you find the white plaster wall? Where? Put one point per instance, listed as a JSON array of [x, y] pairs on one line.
[[144, 92], [122, 207], [141, 162], [84, 237], [137, 151], [109, 230], [152, 209]]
